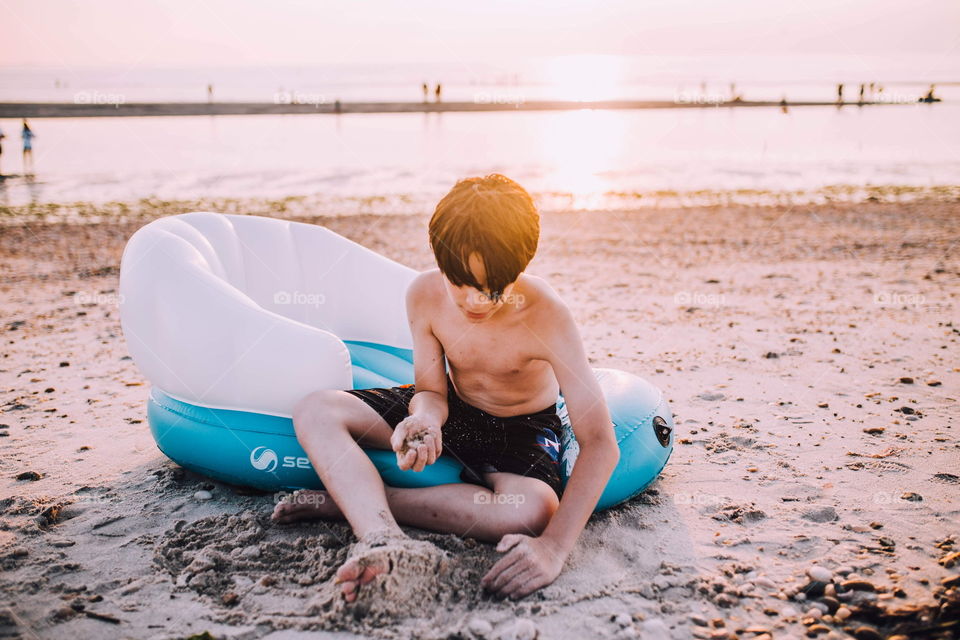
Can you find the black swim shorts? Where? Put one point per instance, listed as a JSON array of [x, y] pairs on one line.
[[528, 445]]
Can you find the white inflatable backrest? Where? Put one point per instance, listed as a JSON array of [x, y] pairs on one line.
[[250, 313]]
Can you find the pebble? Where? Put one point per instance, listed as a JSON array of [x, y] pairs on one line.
[[912, 497], [203, 495], [814, 612], [698, 620], [765, 582], [623, 620], [867, 633], [819, 514], [820, 574], [28, 475], [858, 585], [842, 613], [480, 627]]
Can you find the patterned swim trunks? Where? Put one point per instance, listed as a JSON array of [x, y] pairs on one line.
[[528, 445]]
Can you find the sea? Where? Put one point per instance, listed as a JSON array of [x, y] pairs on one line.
[[584, 159]]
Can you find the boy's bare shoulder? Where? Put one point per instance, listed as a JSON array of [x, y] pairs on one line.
[[424, 286], [542, 299]]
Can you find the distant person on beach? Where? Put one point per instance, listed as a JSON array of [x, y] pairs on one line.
[[860, 101], [1, 151], [436, 93], [426, 92], [930, 97], [511, 343], [209, 93], [840, 93], [28, 135]]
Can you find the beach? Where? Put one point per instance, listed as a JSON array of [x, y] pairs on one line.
[[808, 352]]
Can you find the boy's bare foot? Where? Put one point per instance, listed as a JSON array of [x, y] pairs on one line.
[[306, 504], [408, 567]]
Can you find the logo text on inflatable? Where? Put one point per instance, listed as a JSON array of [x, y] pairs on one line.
[[264, 459]]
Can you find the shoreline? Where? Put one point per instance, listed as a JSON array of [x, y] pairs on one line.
[[391, 205], [142, 109]]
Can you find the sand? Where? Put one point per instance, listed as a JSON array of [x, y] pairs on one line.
[[809, 353]]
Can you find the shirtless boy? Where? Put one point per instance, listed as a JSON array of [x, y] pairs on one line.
[[510, 344]]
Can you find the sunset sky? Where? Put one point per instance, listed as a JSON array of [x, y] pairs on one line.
[[207, 33]]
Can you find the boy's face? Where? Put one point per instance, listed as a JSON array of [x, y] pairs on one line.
[[476, 305]]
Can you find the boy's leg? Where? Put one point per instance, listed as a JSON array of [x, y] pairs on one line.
[[331, 425], [517, 504]]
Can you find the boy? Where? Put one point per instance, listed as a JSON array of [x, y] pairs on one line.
[[511, 344]]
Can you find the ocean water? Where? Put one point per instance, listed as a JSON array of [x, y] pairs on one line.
[[581, 159], [405, 162]]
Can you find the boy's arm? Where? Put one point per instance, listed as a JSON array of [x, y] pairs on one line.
[[428, 407], [599, 454]]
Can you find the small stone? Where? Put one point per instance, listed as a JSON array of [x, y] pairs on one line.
[[816, 629], [480, 627], [64, 364], [911, 497], [906, 380], [907, 411], [28, 475], [698, 620], [823, 405], [814, 612], [203, 495], [874, 431], [858, 585], [933, 383], [832, 604], [867, 633], [765, 582], [821, 574], [820, 514], [229, 598]]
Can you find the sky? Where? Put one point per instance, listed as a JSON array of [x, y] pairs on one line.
[[216, 33]]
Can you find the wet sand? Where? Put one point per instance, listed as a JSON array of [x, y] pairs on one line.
[[809, 354], [139, 109]]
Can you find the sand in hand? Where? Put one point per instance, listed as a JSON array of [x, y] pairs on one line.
[[386, 575]]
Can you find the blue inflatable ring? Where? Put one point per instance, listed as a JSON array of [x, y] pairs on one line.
[[261, 451]]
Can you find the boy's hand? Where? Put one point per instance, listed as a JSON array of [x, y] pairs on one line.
[[531, 563], [417, 442]]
